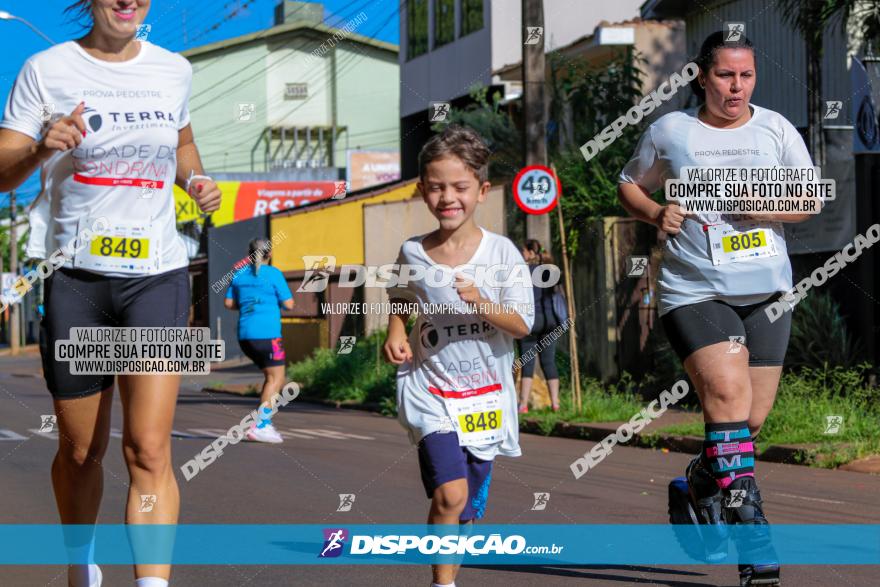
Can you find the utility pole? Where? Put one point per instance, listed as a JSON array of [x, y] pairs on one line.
[[14, 309], [534, 138]]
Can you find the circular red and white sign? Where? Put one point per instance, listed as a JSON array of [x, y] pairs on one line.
[[536, 189]]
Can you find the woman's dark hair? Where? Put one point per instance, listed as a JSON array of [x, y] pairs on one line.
[[461, 142], [259, 250], [709, 54], [544, 257], [80, 11]]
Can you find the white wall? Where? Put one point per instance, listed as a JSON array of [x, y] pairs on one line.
[[565, 21], [449, 71], [289, 62]]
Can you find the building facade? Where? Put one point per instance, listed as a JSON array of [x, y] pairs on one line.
[[449, 46], [290, 101]]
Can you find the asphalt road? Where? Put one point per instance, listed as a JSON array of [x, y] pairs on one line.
[[328, 452]]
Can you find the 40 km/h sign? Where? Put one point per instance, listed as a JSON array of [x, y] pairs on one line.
[[536, 189]]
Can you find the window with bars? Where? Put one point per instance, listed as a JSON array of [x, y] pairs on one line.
[[416, 28], [471, 16], [444, 22]]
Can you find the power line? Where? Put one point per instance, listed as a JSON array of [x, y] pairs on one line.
[[269, 102], [255, 61], [276, 101]]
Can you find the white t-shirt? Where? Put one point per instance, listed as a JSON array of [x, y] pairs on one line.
[[458, 351], [680, 139], [134, 110]]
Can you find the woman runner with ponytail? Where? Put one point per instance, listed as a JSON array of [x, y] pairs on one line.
[[258, 291]]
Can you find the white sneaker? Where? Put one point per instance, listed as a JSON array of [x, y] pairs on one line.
[[265, 434], [88, 575]]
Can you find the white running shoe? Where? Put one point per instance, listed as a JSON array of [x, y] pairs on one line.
[[265, 434]]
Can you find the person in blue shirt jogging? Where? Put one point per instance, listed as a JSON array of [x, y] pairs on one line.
[[258, 292]]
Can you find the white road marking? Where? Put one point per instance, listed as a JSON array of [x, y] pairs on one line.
[[287, 434], [819, 499], [49, 435], [301, 433], [10, 435], [331, 434], [211, 432]]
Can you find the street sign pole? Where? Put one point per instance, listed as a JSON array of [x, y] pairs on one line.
[[14, 309], [533, 72], [569, 299]]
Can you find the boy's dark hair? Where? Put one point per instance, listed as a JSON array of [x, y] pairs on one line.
[[709, 53], [461, 142]]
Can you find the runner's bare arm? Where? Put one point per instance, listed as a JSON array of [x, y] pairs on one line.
[[20, 155], [790, 218], [636, 200], [498, 315], [205, 192], [397, 349]]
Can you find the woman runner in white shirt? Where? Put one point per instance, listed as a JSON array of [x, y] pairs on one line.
[[712, 303], [115, 156]]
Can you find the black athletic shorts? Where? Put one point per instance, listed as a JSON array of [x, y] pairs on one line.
[[264, 352], [695, 326], [74, 298]]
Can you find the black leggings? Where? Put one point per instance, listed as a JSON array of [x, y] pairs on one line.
[[690, 328], [547, 355]]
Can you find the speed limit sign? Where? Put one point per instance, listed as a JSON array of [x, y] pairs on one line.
[[536, 189]]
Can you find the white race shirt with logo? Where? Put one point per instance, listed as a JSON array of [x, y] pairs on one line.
[[461, 374], [123, 171], [690, 273]]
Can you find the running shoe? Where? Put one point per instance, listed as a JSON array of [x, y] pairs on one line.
[[743, 506], [708, 501], [265, 434], [705, 493], [742, 503], [524, 409], [83, 573]]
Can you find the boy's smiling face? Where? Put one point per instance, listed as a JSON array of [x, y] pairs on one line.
[[452, 191]]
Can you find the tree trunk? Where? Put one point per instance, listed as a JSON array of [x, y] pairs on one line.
[[815, 138]]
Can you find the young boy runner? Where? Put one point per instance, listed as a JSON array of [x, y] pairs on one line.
[[455, 389]]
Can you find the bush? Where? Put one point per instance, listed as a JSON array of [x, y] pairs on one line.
[[804, 403], [352, 377], [819, 335]]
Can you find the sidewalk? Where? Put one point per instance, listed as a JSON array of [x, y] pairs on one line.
[[31, 349]]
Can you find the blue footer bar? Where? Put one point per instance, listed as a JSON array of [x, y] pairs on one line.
[[498, 544]]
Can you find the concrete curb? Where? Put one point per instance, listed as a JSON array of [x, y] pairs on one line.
[[245, 390], [790, 454]]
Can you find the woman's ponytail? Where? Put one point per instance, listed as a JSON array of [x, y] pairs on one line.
[[259, 250]]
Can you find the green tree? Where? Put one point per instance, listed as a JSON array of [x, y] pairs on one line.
[[810, 18], [495, 124], [585, 101]]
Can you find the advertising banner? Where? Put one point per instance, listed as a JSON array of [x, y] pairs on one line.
[[249, 199]]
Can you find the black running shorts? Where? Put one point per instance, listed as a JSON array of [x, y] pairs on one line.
[[264, 352], [695, 326], [73, 298]]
